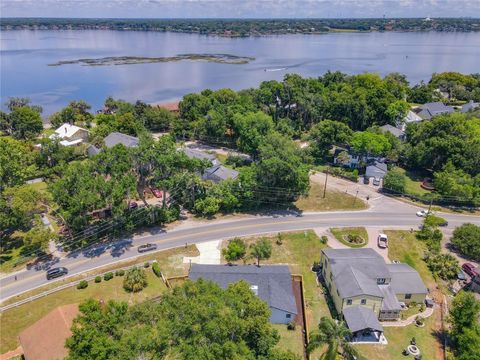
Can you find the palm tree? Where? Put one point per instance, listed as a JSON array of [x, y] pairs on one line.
[[135, 280], [334, 334]]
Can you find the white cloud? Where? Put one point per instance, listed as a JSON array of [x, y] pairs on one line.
[[240, 8]]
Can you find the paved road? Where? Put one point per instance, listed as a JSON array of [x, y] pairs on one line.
[[382, 214]]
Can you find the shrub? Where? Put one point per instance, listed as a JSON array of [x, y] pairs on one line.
[[120, 272], [146, 265], [316, 266], [135, 280], [108, 276], [466, 238], [235, 250], [156, 269], [98, 279], [279, 239], [291, 325], [324, 239], [395, 181], [82, 284]]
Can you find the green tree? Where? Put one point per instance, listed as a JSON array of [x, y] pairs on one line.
[[135, 280], [444, 266], [370, 143], [197, 320], [464, 313], [25, 123], [261, 250], [466, 238], [17, 161], [327, 133], [207, 206], [75, 113], [36, 239], [235, 250], [335, 335], [395, 180], [397, 111], [251, 129]]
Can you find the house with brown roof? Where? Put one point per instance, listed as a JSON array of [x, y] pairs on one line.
[[45, 340]]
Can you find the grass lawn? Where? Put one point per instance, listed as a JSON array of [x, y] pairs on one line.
[[399, 338], [290, 340], [15, 320], [334, 200], [413, 182], [341, 234], [299, 250], [221, 157]]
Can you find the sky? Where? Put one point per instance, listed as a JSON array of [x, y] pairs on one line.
[[239, 8]]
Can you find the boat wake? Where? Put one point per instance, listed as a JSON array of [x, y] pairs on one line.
[[277, 69]]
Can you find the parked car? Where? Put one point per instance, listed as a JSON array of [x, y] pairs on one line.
[[56, 272], [461, 275], [469, 269], [366, 180], [382, 241], [157, 193], [132, 205], [147, 247], [376, 181], [424, 213]]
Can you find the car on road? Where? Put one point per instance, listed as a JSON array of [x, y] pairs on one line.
[[147, 247], [157, 193], [366, 180], [376, 181], [424, 213], [56, 272], [469, 269], [382, 241]]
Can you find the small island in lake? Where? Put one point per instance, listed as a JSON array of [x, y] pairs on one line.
[[129, 60]]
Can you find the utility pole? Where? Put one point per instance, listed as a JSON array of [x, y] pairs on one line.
[[325, 186], [430, 206], [354, 200]]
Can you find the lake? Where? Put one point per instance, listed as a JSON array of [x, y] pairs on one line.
[[25, 56]]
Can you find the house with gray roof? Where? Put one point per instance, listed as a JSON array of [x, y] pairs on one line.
[[470, 106], [271, 283], [366, 290], [116, 138], [398, 133], [201, 155], [429, 110], [376, 170], [219, 173]]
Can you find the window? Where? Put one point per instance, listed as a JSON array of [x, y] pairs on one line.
[[408, 296], [363, 302], [289, 316], [349, 301], [381, 281]]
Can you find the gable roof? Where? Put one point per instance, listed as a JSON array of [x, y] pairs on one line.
[[355, 271], [45, 339], [469, 106], [428, 110], [219, 173], [116, 138], [412, 117], [360, 318], [274, 282], [393, 130], [405, 280], [197, 154], [377, 169], [66, 130], [92, 150]]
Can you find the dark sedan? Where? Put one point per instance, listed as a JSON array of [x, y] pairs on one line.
[[147, 247]]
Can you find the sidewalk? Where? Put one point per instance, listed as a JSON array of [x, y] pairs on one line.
[[400, 323]]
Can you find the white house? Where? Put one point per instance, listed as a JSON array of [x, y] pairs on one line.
[[70, 135], [410, 118]]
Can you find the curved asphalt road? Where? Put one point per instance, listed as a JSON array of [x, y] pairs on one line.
[[400, 215]]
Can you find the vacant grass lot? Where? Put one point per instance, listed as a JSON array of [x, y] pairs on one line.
[[341, 234], [334, 200], [13, 321]]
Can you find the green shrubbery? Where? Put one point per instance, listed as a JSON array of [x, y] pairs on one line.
[[108, 276], [156, 269], [82, 284]]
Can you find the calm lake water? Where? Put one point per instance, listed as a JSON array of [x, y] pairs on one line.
[[25, 55]]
